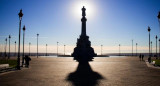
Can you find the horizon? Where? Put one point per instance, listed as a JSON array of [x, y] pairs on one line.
[[109, 23]]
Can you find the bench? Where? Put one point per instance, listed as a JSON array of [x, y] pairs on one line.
[[5, 68]]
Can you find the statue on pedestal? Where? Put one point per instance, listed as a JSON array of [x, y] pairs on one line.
[[83, 52]]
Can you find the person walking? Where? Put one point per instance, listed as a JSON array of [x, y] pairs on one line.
[[27, 59], [140, 57]]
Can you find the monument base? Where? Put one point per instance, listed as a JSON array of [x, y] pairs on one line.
[[83, 52]]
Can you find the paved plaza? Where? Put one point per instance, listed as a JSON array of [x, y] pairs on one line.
[[63, 71]]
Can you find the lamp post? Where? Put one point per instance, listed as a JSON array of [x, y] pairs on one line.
[[159, 47], [1, 50], [159, 25], [29, 48], [9, 46], [132, 47], [57, 49], [136, 48], [119, 49], [20, 19], [64, 49], [5, 54], [159, 19], [149, 40], [156, 45], [15, 48], [37, 45], [46, 49], [101, 49], [23, 44], [151, 48]]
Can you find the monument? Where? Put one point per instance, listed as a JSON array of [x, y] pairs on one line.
[[83, 52]]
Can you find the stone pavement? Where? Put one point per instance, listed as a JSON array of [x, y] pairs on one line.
[[124, 71]]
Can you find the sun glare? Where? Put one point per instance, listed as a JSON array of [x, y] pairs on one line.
[[77, 6]]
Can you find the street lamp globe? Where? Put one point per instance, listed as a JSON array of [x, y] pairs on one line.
[[9, 36], [158, 16], [156, 37], [20, 14], [24, 28], [149, 29]]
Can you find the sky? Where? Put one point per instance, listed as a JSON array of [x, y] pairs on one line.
[[109, 23]]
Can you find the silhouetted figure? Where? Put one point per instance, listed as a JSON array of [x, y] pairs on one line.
[[149, 59], [27, 59], [140, 57], [5, 54], [84, 76], [156, 56], [83, 51]]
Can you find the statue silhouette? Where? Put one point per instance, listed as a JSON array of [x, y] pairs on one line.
[[83, 52]]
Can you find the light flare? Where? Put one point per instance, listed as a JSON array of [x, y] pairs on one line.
[[77, 6]]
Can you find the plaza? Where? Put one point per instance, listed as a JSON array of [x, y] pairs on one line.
[[63, 71]]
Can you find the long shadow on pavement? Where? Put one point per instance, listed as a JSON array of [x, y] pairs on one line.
[[84, 76]]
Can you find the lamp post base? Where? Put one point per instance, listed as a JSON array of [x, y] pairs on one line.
[[18, 64]]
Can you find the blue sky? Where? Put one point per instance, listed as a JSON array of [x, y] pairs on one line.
[[109, 22]]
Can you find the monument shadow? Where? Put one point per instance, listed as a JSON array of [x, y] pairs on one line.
[[84, 76]]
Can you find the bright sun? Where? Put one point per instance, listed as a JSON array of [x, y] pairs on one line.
[[90, 10]]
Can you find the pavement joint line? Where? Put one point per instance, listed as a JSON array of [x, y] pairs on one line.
[[6, 72]]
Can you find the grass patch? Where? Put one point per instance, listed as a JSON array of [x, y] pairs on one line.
[[157, 62], [12, 63]]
